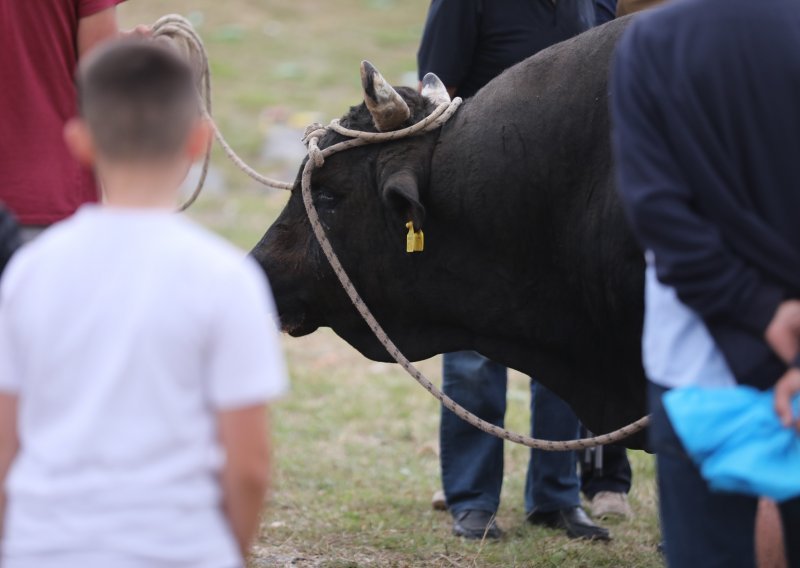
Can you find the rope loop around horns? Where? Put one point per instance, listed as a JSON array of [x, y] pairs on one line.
[[180, 31]]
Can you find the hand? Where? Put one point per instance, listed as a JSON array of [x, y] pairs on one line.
[[140, 32], [783, 332], [785, 389]]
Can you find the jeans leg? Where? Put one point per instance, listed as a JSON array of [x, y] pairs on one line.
[[552, 482], [615, 475], [700, 527], [790, 516], [471, 460]]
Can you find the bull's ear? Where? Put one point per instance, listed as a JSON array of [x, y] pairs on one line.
[[400, 191]]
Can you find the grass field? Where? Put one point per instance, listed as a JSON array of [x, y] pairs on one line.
[[356, 441]]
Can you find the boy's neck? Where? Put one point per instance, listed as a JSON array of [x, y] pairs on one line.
[[141, 186]]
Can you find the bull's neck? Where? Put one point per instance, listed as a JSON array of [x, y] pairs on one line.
[[529, 140], [512, 175], [484, 173]]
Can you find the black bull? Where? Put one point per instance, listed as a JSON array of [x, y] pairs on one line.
[[528, 257]]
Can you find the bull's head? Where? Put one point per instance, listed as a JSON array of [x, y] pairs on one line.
[[364, 196]]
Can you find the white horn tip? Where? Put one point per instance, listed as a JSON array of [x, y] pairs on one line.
[[434, 90]]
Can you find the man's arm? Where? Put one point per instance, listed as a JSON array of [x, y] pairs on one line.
[[604, 11], [96, 28], [448, 41], [245, 475], [690, 254], [9, 444]]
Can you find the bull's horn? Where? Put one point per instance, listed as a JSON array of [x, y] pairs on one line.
[[387, 107], [434, 90]]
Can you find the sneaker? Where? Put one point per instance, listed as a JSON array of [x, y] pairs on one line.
[[610, 504], [438, 502], [476, 525], [573, 520]]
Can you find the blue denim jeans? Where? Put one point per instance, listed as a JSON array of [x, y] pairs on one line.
[[472, 461]]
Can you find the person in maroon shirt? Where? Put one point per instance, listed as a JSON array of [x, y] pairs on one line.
[[40, 44]]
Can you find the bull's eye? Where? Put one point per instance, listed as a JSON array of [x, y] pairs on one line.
[[325, 198]]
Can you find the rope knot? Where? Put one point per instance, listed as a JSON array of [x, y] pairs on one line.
[[315, 129], [314, 153]]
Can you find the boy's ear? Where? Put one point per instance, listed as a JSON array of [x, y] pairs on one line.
[[79, 141], [199, 137]]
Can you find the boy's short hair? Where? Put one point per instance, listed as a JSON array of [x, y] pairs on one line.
[[139, 100]]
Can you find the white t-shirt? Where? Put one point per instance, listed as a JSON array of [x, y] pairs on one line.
[[123, 332], [677, 349]]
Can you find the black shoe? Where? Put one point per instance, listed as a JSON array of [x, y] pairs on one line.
[[477, 525], [573, 520]]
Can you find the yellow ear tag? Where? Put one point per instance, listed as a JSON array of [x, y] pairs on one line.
[[415, 240]]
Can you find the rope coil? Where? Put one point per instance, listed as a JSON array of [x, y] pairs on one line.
[[180, 30]]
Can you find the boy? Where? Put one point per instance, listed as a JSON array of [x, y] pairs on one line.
[[137, 350]]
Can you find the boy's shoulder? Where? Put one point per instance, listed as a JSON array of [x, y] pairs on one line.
[[177, 240], [212, 249], [216, 261], [49, 243], [192, 233]]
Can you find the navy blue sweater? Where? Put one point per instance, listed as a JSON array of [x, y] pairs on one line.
[[467, 43], [604, 11], [706, 112]]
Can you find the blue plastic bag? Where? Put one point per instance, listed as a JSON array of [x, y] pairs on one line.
[[736, 439]]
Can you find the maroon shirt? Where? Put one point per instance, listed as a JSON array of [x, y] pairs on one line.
[[39, 180]]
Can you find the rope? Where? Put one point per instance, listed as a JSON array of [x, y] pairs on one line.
[[180, 30]]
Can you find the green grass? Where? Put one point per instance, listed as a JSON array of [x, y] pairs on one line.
[[356, 441], [357, 447], [301, 54]]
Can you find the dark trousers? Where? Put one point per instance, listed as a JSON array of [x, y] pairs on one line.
[[701, 527], [472, 461], [612, 472]]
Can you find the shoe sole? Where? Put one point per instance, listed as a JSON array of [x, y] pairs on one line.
[[604, 537], [474, 536]]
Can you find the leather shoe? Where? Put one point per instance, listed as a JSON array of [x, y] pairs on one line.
[[476, 525], [573, 520]]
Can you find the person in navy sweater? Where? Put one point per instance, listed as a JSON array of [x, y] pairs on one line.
[[467, 43], [604, 11], [705, 113]]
